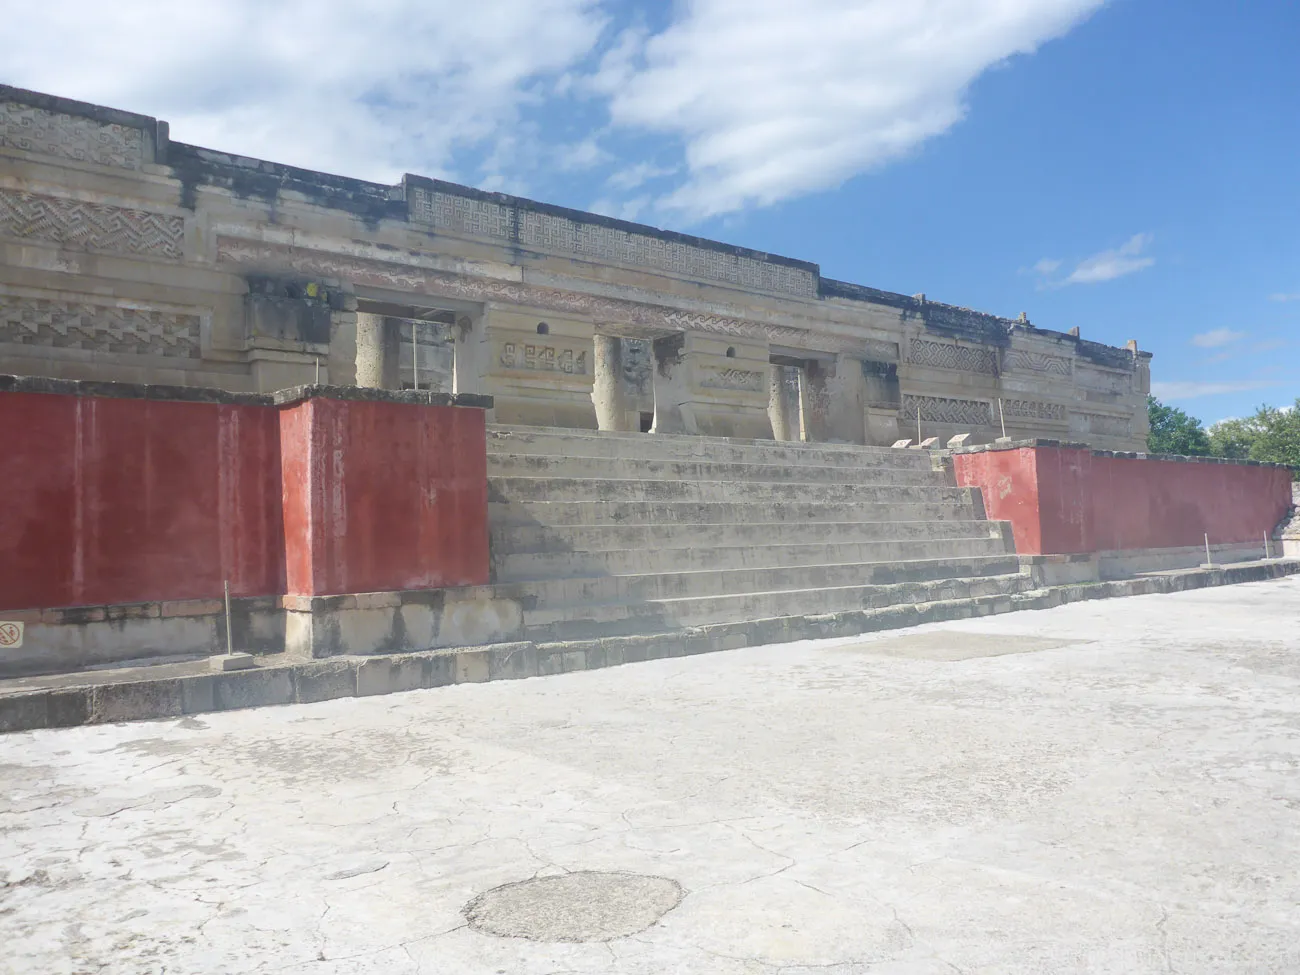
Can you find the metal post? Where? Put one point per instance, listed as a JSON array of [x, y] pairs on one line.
[[1266, 551], [1208, 560], [1003, 417], [415, 351], [230, 644], [318, 370]]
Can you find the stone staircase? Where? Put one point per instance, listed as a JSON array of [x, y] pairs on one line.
[[607, 534]]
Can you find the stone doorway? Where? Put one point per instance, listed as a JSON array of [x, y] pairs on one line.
[[405, 346]]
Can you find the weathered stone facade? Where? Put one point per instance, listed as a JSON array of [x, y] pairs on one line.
[[125, 256]]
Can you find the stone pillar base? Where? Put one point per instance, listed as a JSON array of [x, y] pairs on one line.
[[717, 387]]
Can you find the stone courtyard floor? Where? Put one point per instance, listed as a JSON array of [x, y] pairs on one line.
[[1110, 786]]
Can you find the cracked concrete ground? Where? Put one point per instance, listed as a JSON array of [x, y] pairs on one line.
[[1104, 787]]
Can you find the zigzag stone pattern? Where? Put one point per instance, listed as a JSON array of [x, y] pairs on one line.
[[64, 324], [95, 226], [1033, 409], [941, 409], [740, 379], [31, 129], [946, 355], [1053, 365]]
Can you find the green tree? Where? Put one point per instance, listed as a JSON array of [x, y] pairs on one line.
[[1277, 437], [1232, 438], [1174, 432]]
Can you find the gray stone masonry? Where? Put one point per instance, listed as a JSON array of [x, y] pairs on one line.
[[133, 694]]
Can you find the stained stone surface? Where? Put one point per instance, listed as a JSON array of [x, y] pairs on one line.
[[586, 905], [1119, 795]]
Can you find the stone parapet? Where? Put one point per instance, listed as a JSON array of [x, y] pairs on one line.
[[208, 394], [1125, 454], [130, 508], [1064, 497]]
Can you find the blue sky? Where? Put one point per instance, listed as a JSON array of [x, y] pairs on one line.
[[1126, 166]]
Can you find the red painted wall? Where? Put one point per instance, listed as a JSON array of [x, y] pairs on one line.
[[107, 500], [125, 500], [381, 496], [1063, 500]]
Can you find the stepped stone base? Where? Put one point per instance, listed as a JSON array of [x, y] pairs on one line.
[[99, 697]]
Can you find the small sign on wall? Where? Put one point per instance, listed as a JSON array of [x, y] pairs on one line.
[[11, 635]]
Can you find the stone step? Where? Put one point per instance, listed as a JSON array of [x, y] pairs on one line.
[[591, 443], [617, 489], [510, 539], [563, 513], [656, 469], [564, 594], [599, 620], [703, 558]]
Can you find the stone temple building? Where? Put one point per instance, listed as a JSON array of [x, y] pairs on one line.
[[129, 257]]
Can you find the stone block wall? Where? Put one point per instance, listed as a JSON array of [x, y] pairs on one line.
[[126, 256]]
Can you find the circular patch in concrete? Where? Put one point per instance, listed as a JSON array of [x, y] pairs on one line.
[[583, 906]]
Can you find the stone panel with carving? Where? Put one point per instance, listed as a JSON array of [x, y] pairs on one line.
[[738, 379], [1026, 361], [460, 214], [1103, 380], [88, 324], [30, 129], [637, 368], [876, 350], [534, 357], [941, 409], [598, 241], [1033, 409], [1103, 423], [96, 226], [947, 355]]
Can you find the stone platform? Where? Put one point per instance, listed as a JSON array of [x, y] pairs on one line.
[[1095, 788], [153, 691]]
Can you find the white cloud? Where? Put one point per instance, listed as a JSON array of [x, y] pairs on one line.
[[630, 177], [1217, 338], [1112, 264], [585, 154], [1194, 390], [774, 99], [1047, 266], [1285, 296], [760, 100], [364, 89]]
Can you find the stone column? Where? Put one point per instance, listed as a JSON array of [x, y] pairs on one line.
[[672, 385], [783, 404], [608, 393], [814, 399], [340, 367], [846, 392], [379, 345], [469, 349]]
